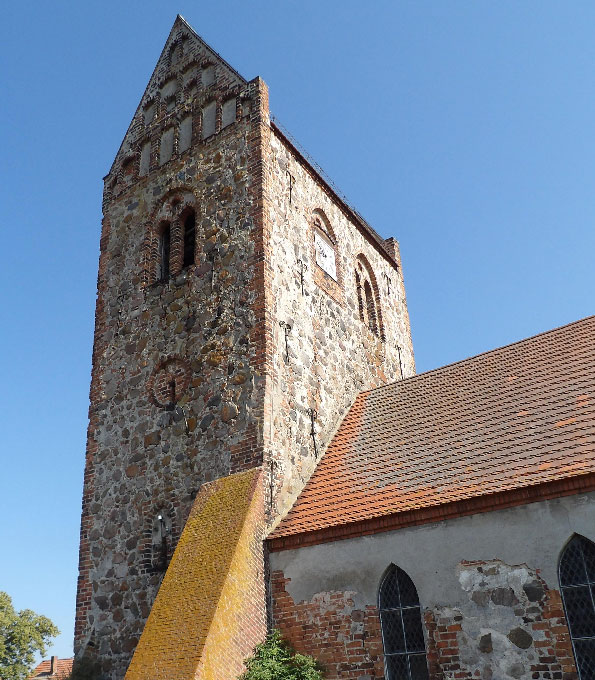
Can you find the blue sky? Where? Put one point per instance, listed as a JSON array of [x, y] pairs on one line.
[[462, 128]]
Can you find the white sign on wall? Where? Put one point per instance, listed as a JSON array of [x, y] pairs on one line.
[[325, 255]]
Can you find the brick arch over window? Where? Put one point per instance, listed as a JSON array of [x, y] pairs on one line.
[[368, 297], [171, 224], [401, 625], [576, 572]]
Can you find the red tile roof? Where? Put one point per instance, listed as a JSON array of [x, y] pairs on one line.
[[509, 419], [62, 668]]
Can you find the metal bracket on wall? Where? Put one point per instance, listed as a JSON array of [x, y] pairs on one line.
[[176, 409], [179, 413], [291, 179], [273, 465], [303, 266], [400, 362], [163, 562], [211, 256], [287, 330], [313, 416], [388, 282]]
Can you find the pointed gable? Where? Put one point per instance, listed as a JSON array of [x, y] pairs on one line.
[[188, 74]]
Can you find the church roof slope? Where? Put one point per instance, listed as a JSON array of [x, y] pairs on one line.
[[508, 421]]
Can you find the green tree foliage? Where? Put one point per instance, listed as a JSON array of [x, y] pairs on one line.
[[275, 660], [22, 634]]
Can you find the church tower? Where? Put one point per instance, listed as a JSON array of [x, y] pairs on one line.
[[241, 307]]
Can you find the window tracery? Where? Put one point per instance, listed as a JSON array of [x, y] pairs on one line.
[[577, 585]]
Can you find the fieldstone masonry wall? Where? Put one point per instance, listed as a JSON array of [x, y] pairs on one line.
[[192, 378], [509, 625], [331, 355], [203, 327]]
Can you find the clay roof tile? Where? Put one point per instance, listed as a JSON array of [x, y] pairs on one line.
[[515, 417]]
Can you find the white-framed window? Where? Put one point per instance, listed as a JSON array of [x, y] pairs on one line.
[[325, 254]]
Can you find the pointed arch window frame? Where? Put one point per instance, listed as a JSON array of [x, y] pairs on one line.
[[577, 591], [402, 624], [369, 306]]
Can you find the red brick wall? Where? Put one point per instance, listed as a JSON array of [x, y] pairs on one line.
[[345, 640]]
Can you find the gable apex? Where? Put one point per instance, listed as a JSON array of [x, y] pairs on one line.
[[180, 21], [187, 70]]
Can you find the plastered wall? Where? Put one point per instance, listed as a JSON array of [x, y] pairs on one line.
[[487, 584]]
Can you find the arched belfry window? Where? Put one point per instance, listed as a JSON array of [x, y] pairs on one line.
[[401, 625], [189, 238], [171, 237], [368, 298], [577, 581]]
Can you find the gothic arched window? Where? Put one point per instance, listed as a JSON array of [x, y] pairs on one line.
[[368, 298], [401, 625], [577, 581], [189, 238]]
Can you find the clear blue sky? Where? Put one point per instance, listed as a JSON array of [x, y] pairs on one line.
[[463, 128]]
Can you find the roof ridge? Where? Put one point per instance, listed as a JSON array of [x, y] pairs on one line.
[[481, 354]]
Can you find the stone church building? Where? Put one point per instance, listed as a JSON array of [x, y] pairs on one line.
[[262, 454]]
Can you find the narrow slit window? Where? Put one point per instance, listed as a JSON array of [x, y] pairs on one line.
[[164, 250], [189, 239], [577, 581], [402, 629]]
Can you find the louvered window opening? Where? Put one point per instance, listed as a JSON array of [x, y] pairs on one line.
[[577, 581], [189, 239], [401, 625]]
